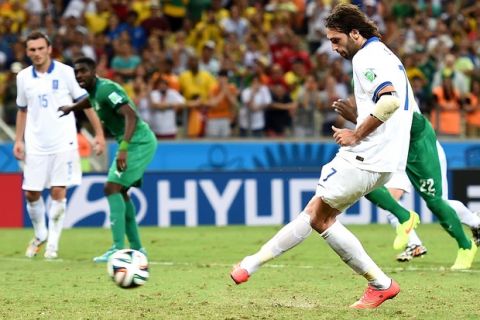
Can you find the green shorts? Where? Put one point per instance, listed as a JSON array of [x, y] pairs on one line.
[[139, 156]]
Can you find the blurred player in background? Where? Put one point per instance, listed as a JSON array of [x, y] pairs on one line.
[[367, 157], [47, 143], [137, 145]]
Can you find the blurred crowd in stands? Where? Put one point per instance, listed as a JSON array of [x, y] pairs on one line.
[[240, 68]]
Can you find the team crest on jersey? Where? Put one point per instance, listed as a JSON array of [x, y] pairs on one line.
[[55, 84], [370, 75]]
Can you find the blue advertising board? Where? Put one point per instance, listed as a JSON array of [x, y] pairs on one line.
[[272, 155], [217, 198], [204, 155]]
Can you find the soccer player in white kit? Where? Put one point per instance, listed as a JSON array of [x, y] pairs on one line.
[[46, 142], [399, 183], [368, 155]]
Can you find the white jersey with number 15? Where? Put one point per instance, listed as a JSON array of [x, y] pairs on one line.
[[43, 94]]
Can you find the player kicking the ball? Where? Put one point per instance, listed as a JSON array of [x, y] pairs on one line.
[[137, 144], [426, 169], [367, 157]]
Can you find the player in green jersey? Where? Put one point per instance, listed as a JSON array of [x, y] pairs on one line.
[[137, 144]]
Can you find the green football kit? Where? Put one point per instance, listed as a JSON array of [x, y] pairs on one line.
[[423, 170], [106, 98]]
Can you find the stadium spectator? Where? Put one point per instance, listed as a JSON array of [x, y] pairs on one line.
[[8, 93], [206, 30], [251, 116], [195, 85], [310, 100], [97, 16], [135, 30], [165, 102], [316, 12], [235, 24], [295, 77], [278, 114], [446, 117], [207, 60], [472, 107], [222, 107], [156, 24], [125, 61], [175, 11]]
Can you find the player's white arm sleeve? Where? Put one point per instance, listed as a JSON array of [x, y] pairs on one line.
[[386, 106]]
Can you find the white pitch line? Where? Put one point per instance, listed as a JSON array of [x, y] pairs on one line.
[[227, 265]]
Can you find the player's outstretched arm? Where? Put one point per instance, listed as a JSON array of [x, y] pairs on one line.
[[80, 105]]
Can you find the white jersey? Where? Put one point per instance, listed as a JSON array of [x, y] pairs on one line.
[[386, 148], [43, 94]]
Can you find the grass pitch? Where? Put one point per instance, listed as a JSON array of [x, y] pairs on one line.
[[189, 278]]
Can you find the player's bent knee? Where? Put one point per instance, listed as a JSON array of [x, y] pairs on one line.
[[32, 196], [111, 188]]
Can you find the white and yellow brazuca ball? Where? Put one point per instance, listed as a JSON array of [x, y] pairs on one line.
[[128, 268]]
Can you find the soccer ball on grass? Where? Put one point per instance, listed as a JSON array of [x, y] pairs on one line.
[[128, 268]]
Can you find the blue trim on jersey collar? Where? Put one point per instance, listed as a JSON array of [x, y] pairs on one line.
[[372, 39], [50, 69]]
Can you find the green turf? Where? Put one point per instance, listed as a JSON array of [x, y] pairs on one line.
[[190, 278]]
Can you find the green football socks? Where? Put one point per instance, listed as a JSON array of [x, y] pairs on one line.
[[382, 198], [117, 219], [131, 226], [449, 221]]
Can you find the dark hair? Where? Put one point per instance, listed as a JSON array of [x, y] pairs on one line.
[[86, 60], [347, 17], [38, 35]]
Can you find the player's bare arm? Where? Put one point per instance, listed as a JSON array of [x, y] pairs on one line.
[[346, 109], [99, 142], [130, 124], [19, 146], [80, 105]]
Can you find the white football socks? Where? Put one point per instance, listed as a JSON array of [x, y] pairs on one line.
[[349, 248], [56, 215], [466, 216], [36, 211], [413, 238], [288, 237]]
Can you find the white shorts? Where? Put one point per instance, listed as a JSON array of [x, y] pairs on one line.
[[399, 180], [341, 184], [44, 171]]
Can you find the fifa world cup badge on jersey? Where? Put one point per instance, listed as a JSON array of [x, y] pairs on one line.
[[55, 84], [370, 75]]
